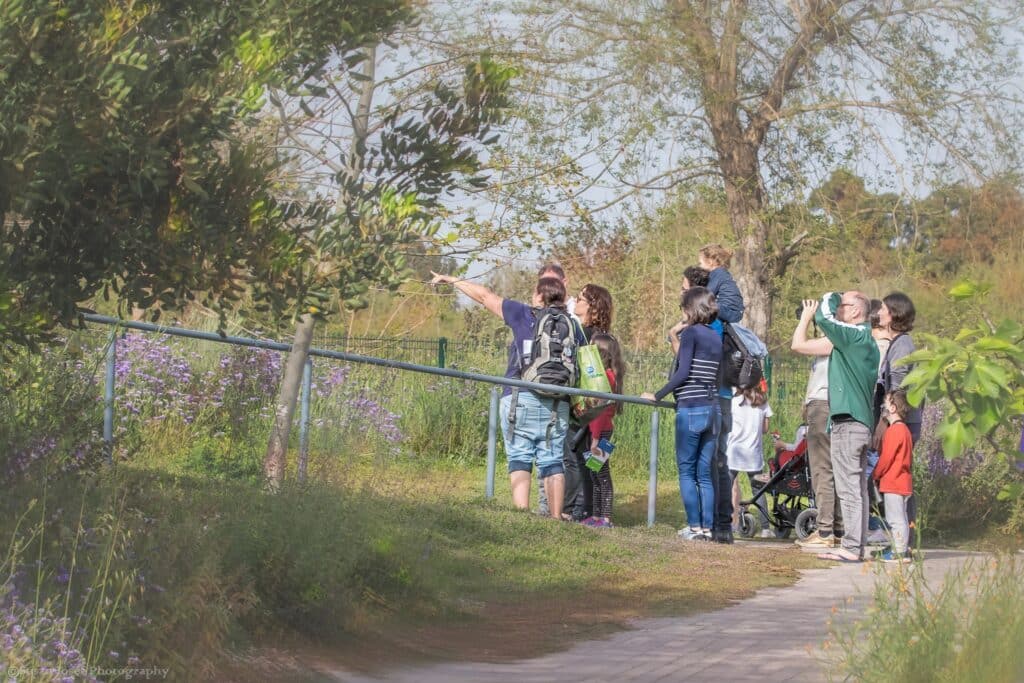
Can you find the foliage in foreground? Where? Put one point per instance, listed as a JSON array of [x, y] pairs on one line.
[[124, 162], [970, 627]]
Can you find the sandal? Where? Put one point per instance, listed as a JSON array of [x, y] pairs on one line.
[[840, 556]]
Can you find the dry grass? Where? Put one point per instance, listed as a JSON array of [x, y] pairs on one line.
[[517, 585]]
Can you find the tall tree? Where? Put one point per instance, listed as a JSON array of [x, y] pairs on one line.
[[629, 98], [124, 167], [404, 154]]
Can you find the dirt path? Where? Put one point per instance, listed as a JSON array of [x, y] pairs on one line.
[[777, 635]]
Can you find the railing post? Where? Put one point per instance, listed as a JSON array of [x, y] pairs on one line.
[[307, 386], [768, 373], [108, 398], [652, 482], [442, 351], [492, 442]]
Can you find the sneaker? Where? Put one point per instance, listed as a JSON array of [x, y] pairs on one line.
[[601, 524], [722, 536], [689, 534], [877, 537], [816, 540], [890, 556], [766, 533], [590, 521]]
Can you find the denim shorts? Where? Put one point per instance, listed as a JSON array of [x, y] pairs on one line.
[[533, 436]]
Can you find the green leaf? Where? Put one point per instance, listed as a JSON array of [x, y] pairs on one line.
[[992, 378], [963, 290], [1011, 491], [955, 435], [995, 344]]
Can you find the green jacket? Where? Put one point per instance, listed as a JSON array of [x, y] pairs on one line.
[[853, 365]]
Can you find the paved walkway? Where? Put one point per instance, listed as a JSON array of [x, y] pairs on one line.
[[774, 636]]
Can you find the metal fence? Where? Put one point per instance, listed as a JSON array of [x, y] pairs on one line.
[[458, 394], [786, 373], [306, 396]]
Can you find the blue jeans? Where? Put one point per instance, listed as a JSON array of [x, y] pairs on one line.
[[696, 440], [534, 436]]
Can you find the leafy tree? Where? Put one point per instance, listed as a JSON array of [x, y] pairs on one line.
[[123, 164], [401, 159], [628, 99], [981, 374]]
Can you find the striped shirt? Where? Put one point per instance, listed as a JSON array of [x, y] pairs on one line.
[[695, 381]]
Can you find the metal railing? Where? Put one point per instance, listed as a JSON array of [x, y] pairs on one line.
[[305, 395], [435, 351]]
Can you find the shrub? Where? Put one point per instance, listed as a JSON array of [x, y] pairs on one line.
[[969, 628], [50, 415], [961, 497]]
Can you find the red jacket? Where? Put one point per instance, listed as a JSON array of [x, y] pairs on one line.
[[603, 422], [893, 469]]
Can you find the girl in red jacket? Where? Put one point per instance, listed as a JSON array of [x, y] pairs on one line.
[[893, 475], [601, 428]]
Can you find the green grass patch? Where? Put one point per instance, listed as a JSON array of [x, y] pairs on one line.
[[969, 627], [393, 562]]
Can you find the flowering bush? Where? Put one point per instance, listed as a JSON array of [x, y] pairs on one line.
[[37, 644], [959, 496], [66, 592], [50, 416]]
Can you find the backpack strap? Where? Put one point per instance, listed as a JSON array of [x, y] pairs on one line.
[[553, 421], [887, 364], [512, 415]]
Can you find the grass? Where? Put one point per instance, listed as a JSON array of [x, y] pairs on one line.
[[387, 563], [969, 627], [506, 576]]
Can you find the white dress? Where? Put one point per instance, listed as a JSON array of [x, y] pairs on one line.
[[745, 451]]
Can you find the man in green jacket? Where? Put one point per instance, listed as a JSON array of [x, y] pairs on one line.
[[852, 368]]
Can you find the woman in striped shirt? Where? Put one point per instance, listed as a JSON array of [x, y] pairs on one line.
[[695, 387]]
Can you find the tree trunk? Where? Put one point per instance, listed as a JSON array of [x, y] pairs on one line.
[[745, 200], [274, 462], [751, 277], [277, 449]]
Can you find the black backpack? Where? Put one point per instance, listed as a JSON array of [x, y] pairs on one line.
[[739, 368], [553, 353]]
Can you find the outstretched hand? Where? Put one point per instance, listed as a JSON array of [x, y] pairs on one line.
[[439, 279]]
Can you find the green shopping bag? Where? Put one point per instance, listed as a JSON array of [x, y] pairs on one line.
[[592, 378]]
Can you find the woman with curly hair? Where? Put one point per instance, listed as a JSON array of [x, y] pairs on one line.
[[594, 309]]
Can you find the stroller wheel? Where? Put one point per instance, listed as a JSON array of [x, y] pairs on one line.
[[749, 526], [806, 523]]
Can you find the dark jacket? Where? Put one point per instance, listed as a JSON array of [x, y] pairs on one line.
[[730, 301], [695, 380]]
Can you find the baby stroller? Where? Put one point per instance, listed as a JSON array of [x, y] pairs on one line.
[[785, 497]]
